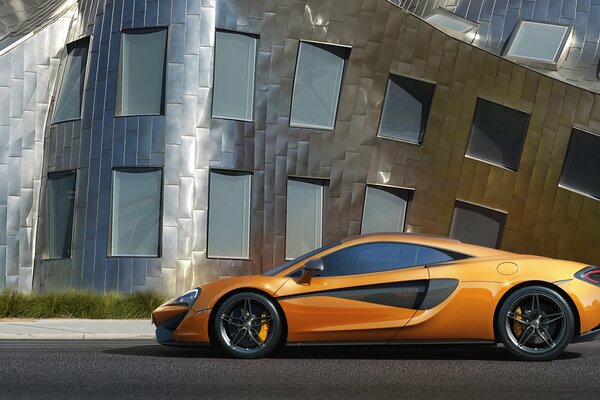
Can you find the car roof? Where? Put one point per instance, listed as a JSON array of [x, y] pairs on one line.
[[440, 242]]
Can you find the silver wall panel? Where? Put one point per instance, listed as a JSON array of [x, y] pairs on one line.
[[187, 142], [27, 75], [497, 20]]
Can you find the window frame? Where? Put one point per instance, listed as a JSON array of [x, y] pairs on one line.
[[238, 172], [324, 183], [348, 50], [561, 52], [149, 29], [492, 162], [468, 35], [47, 207], [419, 142], [67, 48], [256, 37], [564, 165], [394, 190], [159, 248], [488, 211]]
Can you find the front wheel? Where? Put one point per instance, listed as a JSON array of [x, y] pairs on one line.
[[247, 325], [535, 323]]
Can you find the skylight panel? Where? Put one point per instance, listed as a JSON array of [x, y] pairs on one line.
[[453, 24], [539, 44]]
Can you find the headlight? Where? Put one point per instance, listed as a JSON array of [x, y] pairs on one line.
[[188, 298]]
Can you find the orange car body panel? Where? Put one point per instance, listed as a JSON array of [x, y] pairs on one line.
[[467, 313], [193, 328], [166, 312], [343, 319]]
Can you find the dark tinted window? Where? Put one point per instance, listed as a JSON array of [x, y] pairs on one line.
[[289, 263], [405, 109], [477, 225], [368, 258], [498, 134], [428, 255], [582, 166], [61, 205]]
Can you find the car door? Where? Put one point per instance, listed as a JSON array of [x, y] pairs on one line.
[[366, 292]]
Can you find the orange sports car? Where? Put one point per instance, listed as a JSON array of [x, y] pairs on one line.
[[394, 288]]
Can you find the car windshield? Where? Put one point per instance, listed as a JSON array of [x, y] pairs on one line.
[[288, 264]]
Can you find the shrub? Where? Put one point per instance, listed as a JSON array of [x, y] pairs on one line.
[[78, 304]]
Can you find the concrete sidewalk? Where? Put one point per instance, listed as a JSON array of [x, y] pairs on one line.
[[77, 329]]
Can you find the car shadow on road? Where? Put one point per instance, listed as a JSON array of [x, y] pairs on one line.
[[392, 352]]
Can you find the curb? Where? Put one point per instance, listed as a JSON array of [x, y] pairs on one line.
[[77, 336]]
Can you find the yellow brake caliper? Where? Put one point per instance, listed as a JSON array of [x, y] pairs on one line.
[[517, 325], [264, 329]]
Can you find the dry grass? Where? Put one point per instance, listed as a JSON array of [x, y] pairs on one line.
[[78, 304]]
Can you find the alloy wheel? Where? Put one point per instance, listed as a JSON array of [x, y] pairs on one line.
[[247, 325], [536, 322]]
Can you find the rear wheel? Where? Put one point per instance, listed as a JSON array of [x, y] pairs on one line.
[[535, 323], [247, 325]]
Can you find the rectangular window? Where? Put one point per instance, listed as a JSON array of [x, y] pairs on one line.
[[498, 134], [233, 87], [405, 109], [453, 24], [136, 212], [477, 225], [581, 171], [304, 219], [61, 207], [140, 88], [539, 43], [70, 94], [317, 85], [229, 214], [385, 209]]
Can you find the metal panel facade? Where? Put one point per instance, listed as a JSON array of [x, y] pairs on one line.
[[27, 75], [187, 142]]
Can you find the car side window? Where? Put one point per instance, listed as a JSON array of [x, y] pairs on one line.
[[368, 258], [428, 255]]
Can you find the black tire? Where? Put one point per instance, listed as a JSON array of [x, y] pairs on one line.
[[535, 323], [247, 325]]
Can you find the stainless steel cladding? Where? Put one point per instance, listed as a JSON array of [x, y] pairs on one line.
[[177, 143]]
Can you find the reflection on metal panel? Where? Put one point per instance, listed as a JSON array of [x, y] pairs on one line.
[[27, 75], [498, 19], [542, 218]]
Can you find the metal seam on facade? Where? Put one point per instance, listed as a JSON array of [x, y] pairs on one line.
[[187, 142]]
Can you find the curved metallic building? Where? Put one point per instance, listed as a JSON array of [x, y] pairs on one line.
[[500, 142]]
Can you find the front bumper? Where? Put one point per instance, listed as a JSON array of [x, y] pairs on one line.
[[179, 324]]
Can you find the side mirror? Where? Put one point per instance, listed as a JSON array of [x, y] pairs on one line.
[[309, 269], [315, 265]]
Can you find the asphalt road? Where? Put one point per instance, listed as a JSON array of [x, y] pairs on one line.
[[143, 369]]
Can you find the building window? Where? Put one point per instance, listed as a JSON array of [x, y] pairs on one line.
[[229, 214], [70, 95], [385, 209], [477, 225], [140, 88], [61, 207], [498, 134], [539, 44], [581, 171], [233, 87], [317, 85], [453, 24], [304, 218], [405, 109], [136, 212]]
